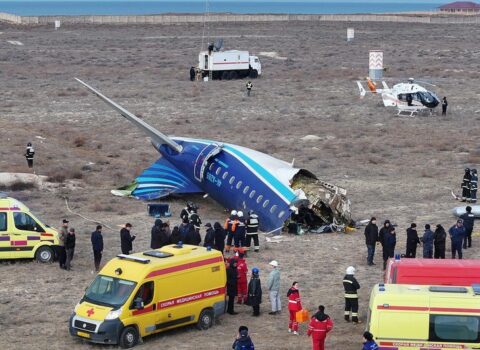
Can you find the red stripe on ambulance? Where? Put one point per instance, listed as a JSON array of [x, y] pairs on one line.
[[184, 267], [18, 243], [191, 298]]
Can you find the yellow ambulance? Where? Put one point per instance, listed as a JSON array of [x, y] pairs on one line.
[[22, 235], [145, 293], [405, 317]]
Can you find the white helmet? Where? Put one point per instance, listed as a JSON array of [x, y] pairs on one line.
[[273, 263], [350, 270], [234, 212], [240, 214]]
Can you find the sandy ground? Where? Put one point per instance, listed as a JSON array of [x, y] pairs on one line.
[[395, 168]]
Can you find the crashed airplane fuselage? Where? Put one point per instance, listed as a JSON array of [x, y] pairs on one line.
[[236, 177]]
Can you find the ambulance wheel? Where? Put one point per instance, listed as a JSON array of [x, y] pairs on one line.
[[205, 321], [233, 75], [44, 254], [224, 75], [253, 74], [129, 337]]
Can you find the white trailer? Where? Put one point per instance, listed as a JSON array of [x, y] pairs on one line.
[[226, 65]]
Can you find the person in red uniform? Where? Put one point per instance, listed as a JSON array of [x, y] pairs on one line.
[[294, 305], [242, 284], [319, 326]]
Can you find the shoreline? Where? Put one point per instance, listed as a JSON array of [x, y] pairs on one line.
[[434, 17]]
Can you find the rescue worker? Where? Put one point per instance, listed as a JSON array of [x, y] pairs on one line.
[[369, 343], [351, 285], [192, 73], [97, 246], [467, 177], [193, 236], [242, 285], [240, 230], [382, 234], [230, 226], [232, 280], [243, 340], [209, 240], [126, 239], [252, 231], [273, 285], [390, 240], [294, 305], [427, 240], [255, 292], [29, 154], [473, 186], [249, 86], [439, 241], [62, 255], [194, 218], [183, 230], [318, 328], [175, 236], [409, 100], [412, 241], [185, 213], [220, 235], [457, 235], [371, 238], [69, 248], [468, 222], [444, 105], [158, 235]]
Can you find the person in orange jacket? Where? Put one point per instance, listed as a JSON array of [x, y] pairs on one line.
[[242, 284], [294, 305], [230, 226], [319, 326]]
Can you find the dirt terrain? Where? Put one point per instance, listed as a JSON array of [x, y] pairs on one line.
[[398, 168]]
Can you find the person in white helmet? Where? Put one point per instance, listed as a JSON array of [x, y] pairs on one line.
[[239, 235], [252, 231], [273, 285], [230, 226], [351, 285]]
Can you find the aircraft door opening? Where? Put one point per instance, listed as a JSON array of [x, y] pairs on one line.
[[202, 160]]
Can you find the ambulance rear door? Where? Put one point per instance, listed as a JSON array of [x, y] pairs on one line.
[[5, 249]]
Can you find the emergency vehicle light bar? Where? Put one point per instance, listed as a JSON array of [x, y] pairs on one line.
[[3, 195], [447, 289], [133, 258], [476, 289]]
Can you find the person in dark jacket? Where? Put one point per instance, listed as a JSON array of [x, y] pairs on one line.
[[254, 298], [155, 240], [209, 240], [439, 240], [467, 177], [185, 213], [194, 218], [444, 105], [389, 242], [382, 234], [126, 239], [351, 285], [412, 241], [29, 154], [473, 186], [427, 240], [468, 222], [191, 237], [457, 235], [97, 246], [243, 340], [69, 248], [220, 235], [232, 286], [192, 73], [369, 343], [183, 230], [371, 238], [175, 236]]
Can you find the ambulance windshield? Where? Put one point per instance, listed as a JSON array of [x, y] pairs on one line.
[[109, 291]]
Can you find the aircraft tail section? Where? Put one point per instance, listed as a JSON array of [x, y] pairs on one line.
[[361, 89], [159, 180], [385, 86]]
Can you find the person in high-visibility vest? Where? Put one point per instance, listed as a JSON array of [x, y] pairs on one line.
[[29, 153], [230, 226], [249, 88], [351, 285]]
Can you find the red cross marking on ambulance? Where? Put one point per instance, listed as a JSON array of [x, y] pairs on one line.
[[90, 312]]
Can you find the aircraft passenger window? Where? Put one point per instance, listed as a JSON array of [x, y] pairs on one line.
[[266, 203], [225, 174], [252, 194], [211, 166], [239, 184], [281, 214], [3, 221], [454, 328], [273, 209], [145, 292], [259, 199], [245, 190], [232, 180], [219, 169], [26, 223]]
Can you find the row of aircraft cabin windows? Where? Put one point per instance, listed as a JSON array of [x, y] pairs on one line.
[[245, 190]]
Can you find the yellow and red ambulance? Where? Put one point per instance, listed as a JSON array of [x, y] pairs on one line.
[[137, 295], [22, 235], [422, 317]]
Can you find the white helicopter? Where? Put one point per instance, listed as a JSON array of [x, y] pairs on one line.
[[409, 98]]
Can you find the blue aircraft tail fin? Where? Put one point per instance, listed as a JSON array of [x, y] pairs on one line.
[[157, 181]]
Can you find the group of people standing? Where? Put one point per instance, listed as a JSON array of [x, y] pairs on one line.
[[470, 186], [434, 242]]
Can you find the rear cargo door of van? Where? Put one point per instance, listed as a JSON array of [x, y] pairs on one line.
[[5, 249]]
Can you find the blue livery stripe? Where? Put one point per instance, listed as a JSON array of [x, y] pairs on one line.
[[142, 179]]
